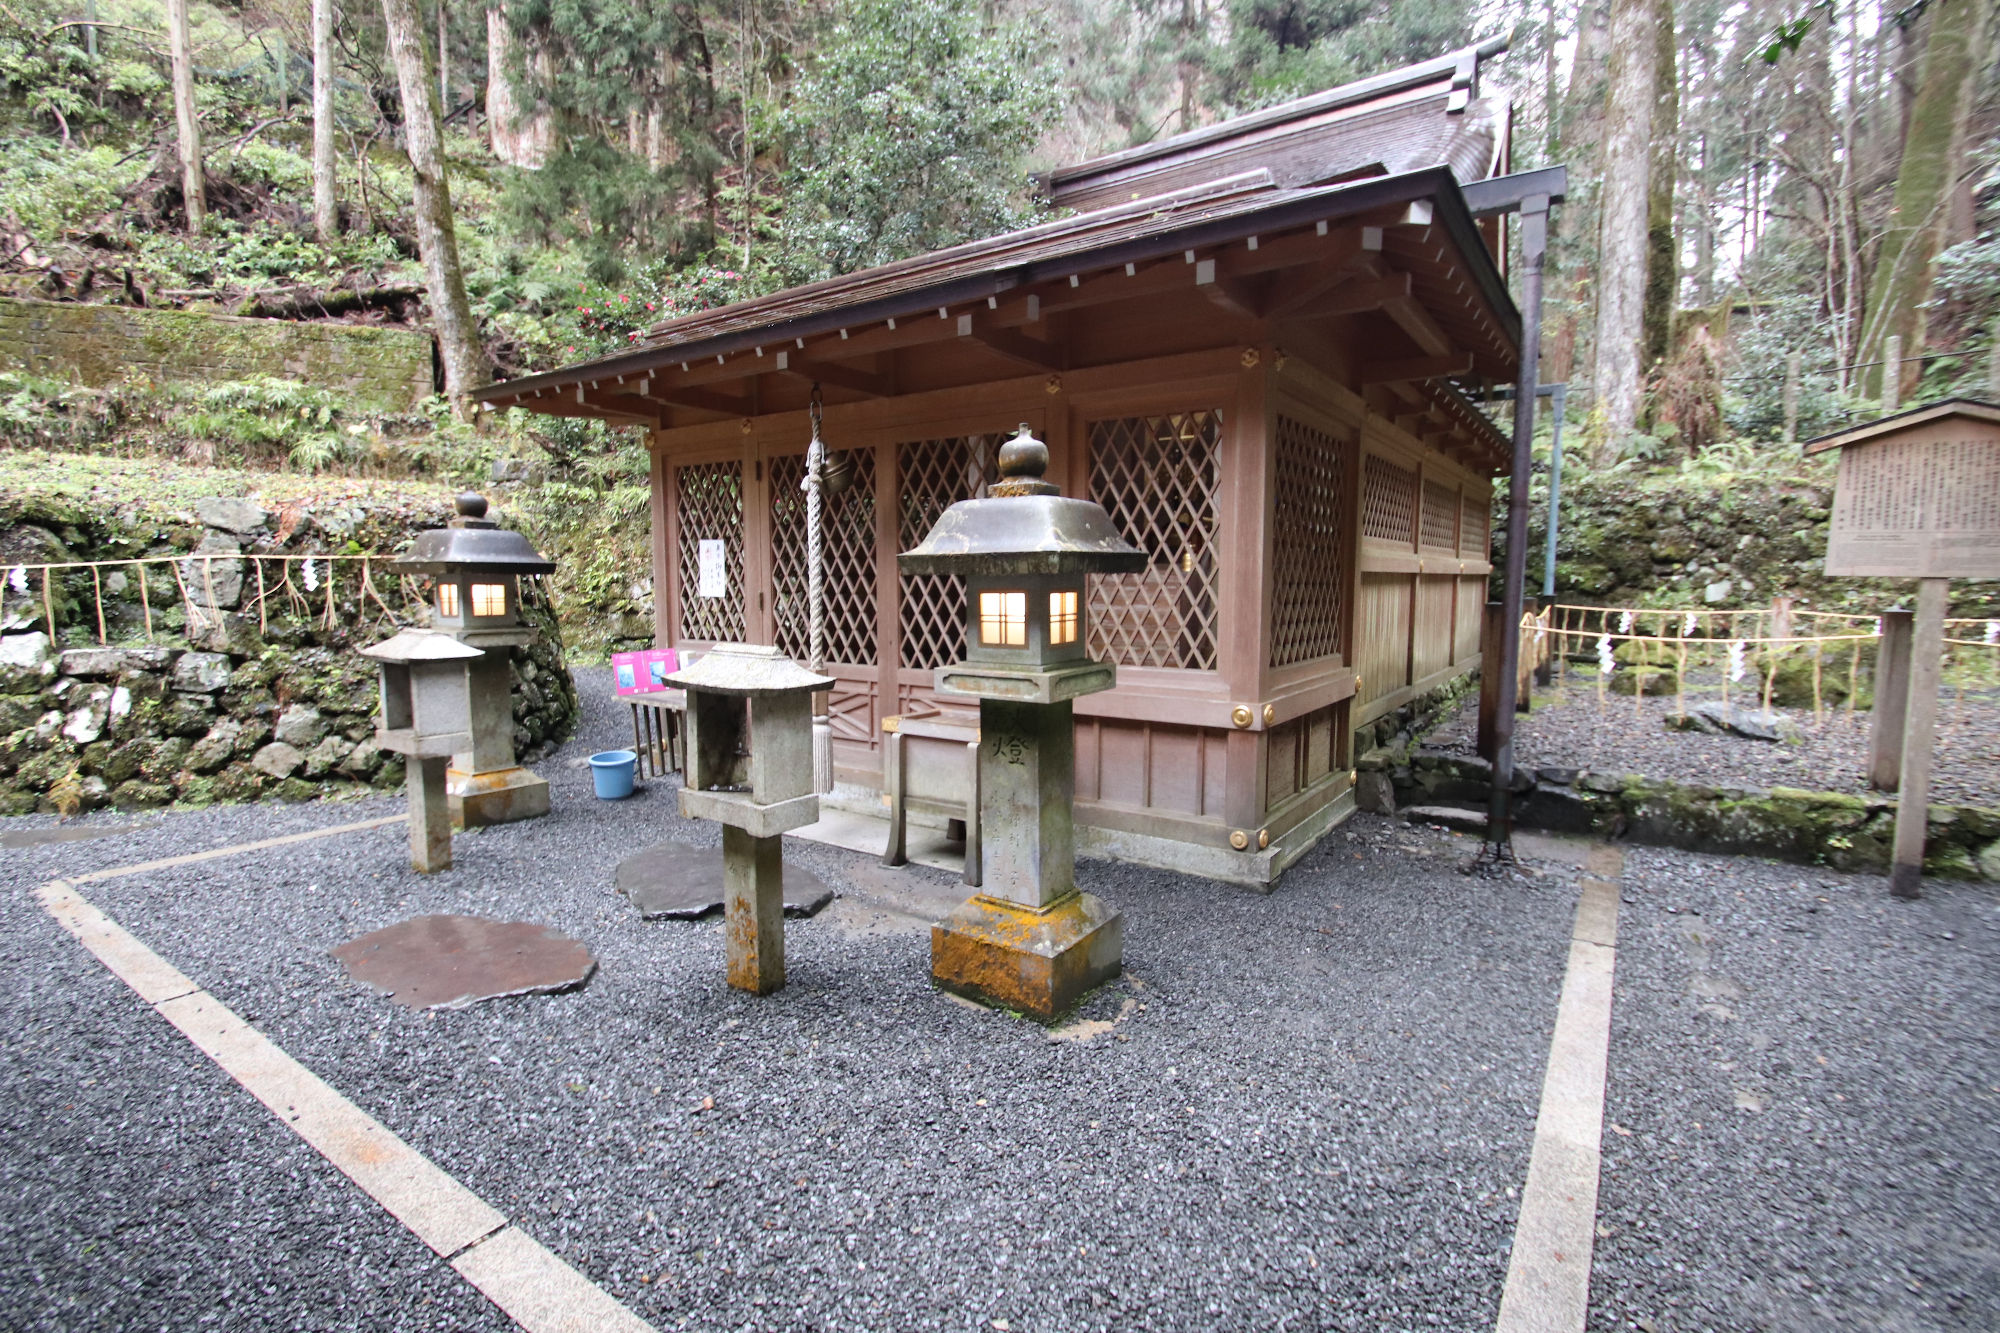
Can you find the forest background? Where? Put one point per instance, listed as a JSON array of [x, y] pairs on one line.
[[1763, 194]]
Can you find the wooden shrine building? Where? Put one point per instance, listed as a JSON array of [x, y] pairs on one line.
[[1252, 343]]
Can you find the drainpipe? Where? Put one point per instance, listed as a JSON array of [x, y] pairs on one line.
[[1556, 392]]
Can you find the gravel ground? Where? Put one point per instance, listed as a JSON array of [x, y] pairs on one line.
[[141, 1188], [1318, 1118], [1804, 1103], [1570, 729], [1307, 1110]]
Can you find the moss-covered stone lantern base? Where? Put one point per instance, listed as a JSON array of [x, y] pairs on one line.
[[1039, 961]]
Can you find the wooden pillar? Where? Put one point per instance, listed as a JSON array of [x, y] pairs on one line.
[[1892, 702], [1892, 374], [1492, 625], [1919, 733], [666, 624], [888, 583]]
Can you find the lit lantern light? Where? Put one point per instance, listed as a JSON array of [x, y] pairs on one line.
[[478, 566]]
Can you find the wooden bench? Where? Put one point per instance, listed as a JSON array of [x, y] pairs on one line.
[[659, 730], [931, 765]]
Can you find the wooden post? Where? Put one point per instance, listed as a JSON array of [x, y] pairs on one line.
[[1492, 626], [1794, 367], [1892, 374], [1892, 702], [1524, 670], [1919, 734], [1781, 617]]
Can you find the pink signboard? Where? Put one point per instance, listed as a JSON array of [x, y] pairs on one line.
[[643, 672]]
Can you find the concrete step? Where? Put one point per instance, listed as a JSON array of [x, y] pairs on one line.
[[1448, 816]]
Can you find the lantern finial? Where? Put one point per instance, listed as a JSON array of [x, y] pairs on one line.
[[471, 507], [1023, 460]]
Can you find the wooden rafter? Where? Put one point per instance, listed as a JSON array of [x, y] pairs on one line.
[[821, 371], [1011, 343], [1417, 368]]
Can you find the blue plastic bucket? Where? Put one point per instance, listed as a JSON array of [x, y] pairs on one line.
[[611, 771]]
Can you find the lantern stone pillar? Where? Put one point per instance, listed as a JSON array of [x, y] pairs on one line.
[[1030, 940], [750, 767], [426, 717], [478, 566]]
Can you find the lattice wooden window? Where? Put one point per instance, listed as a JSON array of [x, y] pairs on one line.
[[848, 523], [1440, 516], [711, 508], [1388, 501], [1309, 568], [935, 475], [1474, 518], [1156, 476]]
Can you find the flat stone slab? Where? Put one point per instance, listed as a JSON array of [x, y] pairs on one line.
[[676, 880], [1466, 821], [450, 962]]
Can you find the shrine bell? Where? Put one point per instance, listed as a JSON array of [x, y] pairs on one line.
[[1030, 940], [477, 567], [427, 718], [750, 768]]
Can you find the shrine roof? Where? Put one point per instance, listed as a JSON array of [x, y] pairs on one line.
[[1973, 409]]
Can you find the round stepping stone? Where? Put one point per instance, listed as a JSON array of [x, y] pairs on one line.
[[676, 880], [449, 962]]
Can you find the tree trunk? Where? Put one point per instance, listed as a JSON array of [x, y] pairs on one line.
[[1663, 257], [1582, 138], [1903, 268], [326, 209], [520, 137], [1621, 249], [444, 57], [194, 194], [465, 365]]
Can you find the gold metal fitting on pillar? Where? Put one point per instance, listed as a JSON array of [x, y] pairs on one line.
[[1241, 715], [1239, 839], [1263, 838], [1270, 714]]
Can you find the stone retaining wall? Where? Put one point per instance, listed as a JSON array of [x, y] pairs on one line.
[[382, 370], [229, 710], [1854, 833]]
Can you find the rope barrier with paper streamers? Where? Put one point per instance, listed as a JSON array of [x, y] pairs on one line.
[[1747, 647], [328, 591]]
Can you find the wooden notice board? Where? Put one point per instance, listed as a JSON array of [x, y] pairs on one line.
[[1918, 494]]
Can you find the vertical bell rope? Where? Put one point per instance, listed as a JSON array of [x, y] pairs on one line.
[[815, 589]]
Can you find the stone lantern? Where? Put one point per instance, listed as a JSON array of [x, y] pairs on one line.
[[427, 718], [1030, 940], [477, 566], [750, 768]]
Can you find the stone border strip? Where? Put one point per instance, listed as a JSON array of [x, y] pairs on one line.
[[1548, 1272], [533, 1286]]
